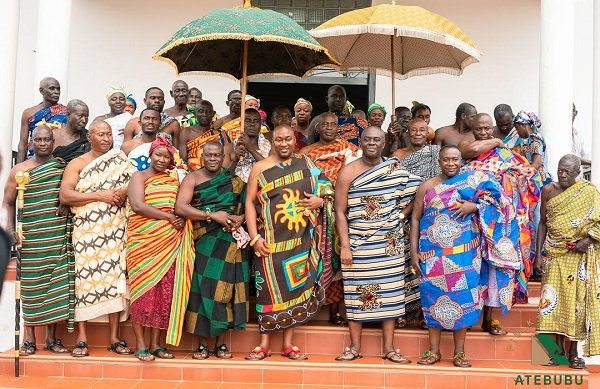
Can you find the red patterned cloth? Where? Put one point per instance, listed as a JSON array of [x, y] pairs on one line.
[[153, 308]]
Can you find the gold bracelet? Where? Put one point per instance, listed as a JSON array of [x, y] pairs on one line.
[[207, 212], [254, 240]]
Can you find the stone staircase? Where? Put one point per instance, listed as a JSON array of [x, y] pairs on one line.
[[498, 362]]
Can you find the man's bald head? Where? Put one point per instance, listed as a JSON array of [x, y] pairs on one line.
[[571, 160], [372, 131], [42, 131], [329, 115], [99, 125], [47, 80], [215, 144]]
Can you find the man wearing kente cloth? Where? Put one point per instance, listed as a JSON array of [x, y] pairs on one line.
[[49, 111], [213, 199], [373, 196], [331, 154], [159, 254], [193, 138], [95, 186], [291, 196], [231, 123], [522, 184], [462, 233], [47, 272], [569, 231], [349, 127], [71, 140]]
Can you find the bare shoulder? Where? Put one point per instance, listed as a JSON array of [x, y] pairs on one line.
[[31, 110], [551, 190], [401, 153], [428, 184], [76, 165], [307, 149]]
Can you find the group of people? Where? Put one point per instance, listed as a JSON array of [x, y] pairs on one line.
[[166, 219]]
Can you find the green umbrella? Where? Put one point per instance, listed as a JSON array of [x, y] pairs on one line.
[[244, 42], [216, 43]]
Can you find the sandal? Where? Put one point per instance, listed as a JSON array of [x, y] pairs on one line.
[[201, 352], [429, 358], [258, 354], [56, 347], [460, 360], [551, 362], [422, 325], [294, 354], [144, 355], [28, 348], [222, 352], [162, 353], [80, 347], [124, 350], [493, 328], [338, 319], [396, 357], [576, 363], [400, 323], [348, 355]]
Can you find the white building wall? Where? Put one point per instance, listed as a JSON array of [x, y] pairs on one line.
[[112, 43]]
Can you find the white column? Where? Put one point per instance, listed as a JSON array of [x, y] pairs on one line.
[[52, 47], [596, 98], [556, 77], [9, 31]]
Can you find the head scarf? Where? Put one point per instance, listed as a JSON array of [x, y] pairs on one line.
[[164, 142], [376, 106], [416, 106], [113, 90], [303, 101], [130, 98], [528, 118], [55, 125], [250, 97]]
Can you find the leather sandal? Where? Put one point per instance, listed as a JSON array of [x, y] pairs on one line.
[[201, 352], [294, 354], [396, 357], [27, 348], [348, 355], [258, 354], [460, 360], [222, 352], [429, 358]]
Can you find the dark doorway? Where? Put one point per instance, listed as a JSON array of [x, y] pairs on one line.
[[272, 94]]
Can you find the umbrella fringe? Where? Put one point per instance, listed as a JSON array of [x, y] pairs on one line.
[[243, 37], [425, 71], [390, 29]]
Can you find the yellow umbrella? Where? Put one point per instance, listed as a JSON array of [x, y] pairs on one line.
[[397, 41]]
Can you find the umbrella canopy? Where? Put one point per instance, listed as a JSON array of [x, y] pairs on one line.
[[403, 40], [215, 43]]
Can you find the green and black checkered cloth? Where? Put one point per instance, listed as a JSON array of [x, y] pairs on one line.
[[219, 295]]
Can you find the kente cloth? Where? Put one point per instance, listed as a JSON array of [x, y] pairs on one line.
[[350, 128], [244, 167], [333, 157], [99, 240], [412, 293], [74, 149], [534, 144], [232, 128], [374, 288], [54, 114], [195, 146], [290, 280], [47, 263], [424, 162], [459, 253], [522, 184], [570, 296], [219, 293], [153, 248], [117, 124]]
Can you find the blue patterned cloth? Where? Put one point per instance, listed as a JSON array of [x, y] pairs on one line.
[[461, 254]]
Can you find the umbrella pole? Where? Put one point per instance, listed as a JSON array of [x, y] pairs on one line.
[[22, 179], [393, 78], [244, 84]]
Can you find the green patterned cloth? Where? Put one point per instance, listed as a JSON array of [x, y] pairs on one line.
[[47, 264], [219, 295]]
